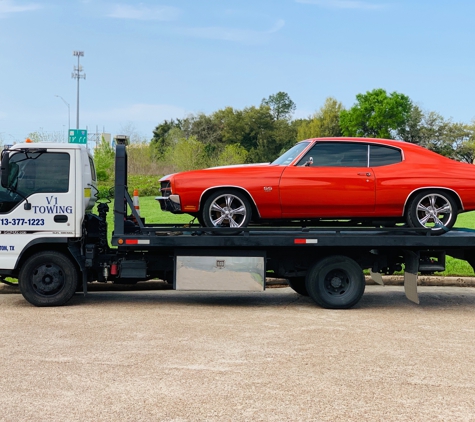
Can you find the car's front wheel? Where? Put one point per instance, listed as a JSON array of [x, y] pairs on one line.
[[434, 210], [226, 208]]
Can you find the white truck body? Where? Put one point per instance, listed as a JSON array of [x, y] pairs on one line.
[[58, 198]]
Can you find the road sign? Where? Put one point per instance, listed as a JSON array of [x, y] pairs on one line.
[[77, 136]]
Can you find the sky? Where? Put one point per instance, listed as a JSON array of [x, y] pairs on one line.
[[148, 61]]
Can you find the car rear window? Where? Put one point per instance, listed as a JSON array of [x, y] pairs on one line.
[[380, 155]]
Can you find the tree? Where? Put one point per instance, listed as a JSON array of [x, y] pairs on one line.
[[232, 154], [376, 115], [158, 142], [205, 128], [281, 106], [325, 122], [412, 131], [131, 132], [104, 160], [43, 136], [188, 154]]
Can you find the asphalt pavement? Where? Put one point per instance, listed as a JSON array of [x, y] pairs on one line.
[[164, 355]]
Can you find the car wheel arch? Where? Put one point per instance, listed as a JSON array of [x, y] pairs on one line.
[[455, 196], [208, 192]]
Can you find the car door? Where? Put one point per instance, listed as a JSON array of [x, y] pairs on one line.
[[332, 180]]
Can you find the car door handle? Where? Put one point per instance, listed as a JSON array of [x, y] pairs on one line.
[[364, 174]]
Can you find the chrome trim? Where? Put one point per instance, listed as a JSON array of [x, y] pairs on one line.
[[233, 187], [431, 187]]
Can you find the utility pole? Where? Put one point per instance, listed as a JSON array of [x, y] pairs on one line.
[[78, 74]]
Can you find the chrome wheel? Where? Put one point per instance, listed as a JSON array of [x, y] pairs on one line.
[[433, 211], [436, 211], [227, 209]]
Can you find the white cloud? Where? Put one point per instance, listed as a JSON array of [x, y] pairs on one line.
[[11, 6], [343, 4], [141, 12], [233, 34]]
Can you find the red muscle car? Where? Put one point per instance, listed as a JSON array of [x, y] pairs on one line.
[[356, 179]]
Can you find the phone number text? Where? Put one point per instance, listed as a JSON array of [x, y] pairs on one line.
[[22, 221]]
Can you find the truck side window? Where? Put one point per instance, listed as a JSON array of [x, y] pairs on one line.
[[35, 173], [93, 169]]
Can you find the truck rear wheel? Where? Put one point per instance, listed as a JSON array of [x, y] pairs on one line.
[[48, 278], [336, 282]]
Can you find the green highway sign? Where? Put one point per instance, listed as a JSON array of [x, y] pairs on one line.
[[77, 136]]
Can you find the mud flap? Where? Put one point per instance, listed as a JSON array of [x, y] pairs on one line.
[[377, 278], [411, 259]]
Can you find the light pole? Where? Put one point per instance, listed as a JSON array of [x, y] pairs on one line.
[[69, 110], [77, 74]]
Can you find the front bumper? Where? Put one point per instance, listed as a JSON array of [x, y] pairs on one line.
[[170, 203]]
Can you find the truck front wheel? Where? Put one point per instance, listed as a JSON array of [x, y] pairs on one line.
[[336, 282], [48, 278]]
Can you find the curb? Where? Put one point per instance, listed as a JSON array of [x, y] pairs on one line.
[[427, 281], [270, 283]]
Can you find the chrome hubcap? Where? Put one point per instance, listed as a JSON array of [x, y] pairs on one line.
[[433, 211], [227, 211]]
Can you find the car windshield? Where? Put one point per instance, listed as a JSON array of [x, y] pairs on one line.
[[287, 157]]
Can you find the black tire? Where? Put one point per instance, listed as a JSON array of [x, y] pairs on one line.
[[298, 285], [435, 210], [48, 278], [336, 282], [226, 208]]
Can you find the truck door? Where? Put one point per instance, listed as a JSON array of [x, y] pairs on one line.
[[38, 201]]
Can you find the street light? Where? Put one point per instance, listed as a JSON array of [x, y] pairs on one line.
[[77, 74], [69, 111]]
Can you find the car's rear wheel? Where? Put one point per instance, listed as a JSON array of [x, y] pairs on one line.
[[434, 210], [226, 208]]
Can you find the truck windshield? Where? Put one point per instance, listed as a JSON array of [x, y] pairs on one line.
[[33, 173], [287, 157]]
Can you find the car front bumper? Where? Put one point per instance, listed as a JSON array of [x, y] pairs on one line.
[[170, 203]]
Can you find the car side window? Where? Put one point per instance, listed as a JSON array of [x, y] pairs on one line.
[[336, 154], [380, 155]]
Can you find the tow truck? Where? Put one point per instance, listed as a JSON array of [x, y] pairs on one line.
[[55, 244]]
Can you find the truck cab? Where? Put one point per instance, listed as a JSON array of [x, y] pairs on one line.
[[46, 190]]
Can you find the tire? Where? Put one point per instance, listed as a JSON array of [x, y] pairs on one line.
[[226, 208], [435, 210], [335, 282], [48, 279], [297, 284]]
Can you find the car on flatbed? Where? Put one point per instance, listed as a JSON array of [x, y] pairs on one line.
[[379, 181]]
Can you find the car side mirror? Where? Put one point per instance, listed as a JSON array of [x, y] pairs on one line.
[[309, 162], [5, 168]]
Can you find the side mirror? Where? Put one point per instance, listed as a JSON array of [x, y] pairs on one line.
[[5, 168], [309, 162]]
